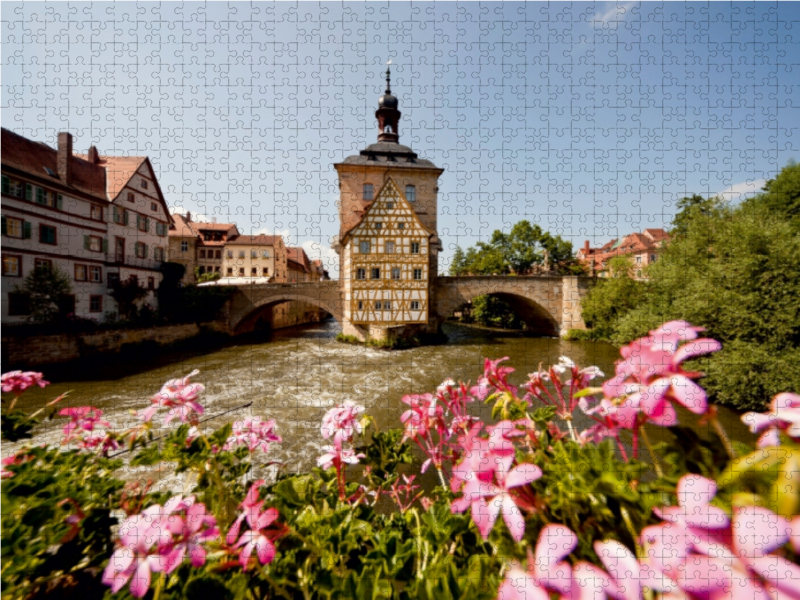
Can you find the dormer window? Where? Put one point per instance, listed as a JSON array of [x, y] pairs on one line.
[[144, 184], [368, 191]]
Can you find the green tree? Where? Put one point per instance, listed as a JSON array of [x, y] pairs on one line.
[[693, 208], [611, 298], [46, 289], [204, 277], [781, 195], [459, 263], [494, 312], [127, 293]]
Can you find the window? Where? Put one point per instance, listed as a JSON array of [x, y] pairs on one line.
[[360, 305], [131, 197], [19, 304], [387, 306], [414, 247], [389, 248], [411, 193], [12, 187], [418, 274], [230, 271], [230, 253], [241, 253], [151, 283], [363, 247], [265, 254], [202, 253], [639, 260], [390, 205], [401, 225], [638, 273], [375, 273], [378, 225], [253, 253], [653, 258], [396, 273], [95, 274], [216, 269], [266, 271], [184, 246], [95, 304], [158, 253], [93, 243], [142, 223], [119, 249], [415, 305], [96, 212], [241, 272], [12, 266], [80, 273], [377, 306], [41, 196], [361, 274], [12, 227], [141, 250], [161, 229], [367, 191], [112, 280], [153, 206], [47, 235], [43, 263], [218, 254], [143, 183], [119, 216]]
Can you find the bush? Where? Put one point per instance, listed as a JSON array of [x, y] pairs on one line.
[[359, 526], [46, 289]]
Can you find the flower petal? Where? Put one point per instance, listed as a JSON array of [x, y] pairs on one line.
[[555, 542], [522, 475], [758, 531]]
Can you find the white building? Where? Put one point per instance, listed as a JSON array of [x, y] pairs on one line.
[[96, 218]]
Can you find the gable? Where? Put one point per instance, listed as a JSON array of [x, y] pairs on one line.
[[379, 211]]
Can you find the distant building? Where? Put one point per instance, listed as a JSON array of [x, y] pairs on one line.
[[97, 218], [643, 249], [199, 245], [255, 256]]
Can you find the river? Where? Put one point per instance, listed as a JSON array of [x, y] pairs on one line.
[[297, 374]]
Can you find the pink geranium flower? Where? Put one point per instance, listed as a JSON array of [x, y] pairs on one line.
[[191, 531], [253, 433], [260, 536], [333, 456], [784, 415], [103, 440], [82, 417], [342, 422], [546, 573], [17, 382], [494, 378], [180, 397]]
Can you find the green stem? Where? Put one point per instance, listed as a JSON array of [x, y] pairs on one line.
[[726, 441], [647, 443], [159, 587], [420, 563], [571, 429]]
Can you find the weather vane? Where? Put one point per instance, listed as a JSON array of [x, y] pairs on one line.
[[388, 76]]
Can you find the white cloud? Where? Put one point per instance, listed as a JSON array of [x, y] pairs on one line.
[[329, 258], [616, 12], [196, 216], [740, 191], [284, 233]]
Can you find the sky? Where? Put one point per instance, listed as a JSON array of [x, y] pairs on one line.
[[591, 119]]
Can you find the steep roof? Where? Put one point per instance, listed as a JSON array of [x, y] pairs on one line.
[[254, 240], [298, 256], [181, 227]]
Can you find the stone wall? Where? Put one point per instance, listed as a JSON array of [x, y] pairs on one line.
[[32, 351]]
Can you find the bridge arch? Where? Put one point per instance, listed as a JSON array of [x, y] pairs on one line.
[[538, 301]]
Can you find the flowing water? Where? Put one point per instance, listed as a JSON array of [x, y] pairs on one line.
[[297, 374]]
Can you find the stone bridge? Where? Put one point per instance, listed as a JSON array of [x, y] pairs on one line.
[[548, 305]]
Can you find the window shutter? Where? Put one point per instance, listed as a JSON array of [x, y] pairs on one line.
[[59, 202], [5, 226], [125, 215], [6, 185], [86, 242], [26, 230], [146, 224], [28, 191], [105, 245]]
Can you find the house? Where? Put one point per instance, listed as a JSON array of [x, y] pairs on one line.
[[255, 256], [298, 266], [97, 218], [643, 249], [199, 245]]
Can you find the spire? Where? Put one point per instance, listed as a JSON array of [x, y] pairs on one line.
[[387, 114]]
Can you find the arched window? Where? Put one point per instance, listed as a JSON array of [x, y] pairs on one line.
[[411, 193], [367, 191], [387, 129]]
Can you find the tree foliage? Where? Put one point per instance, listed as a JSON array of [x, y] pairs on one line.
[[494, 312], [127, 293], [610, 298], [46, 289], [525, 248]]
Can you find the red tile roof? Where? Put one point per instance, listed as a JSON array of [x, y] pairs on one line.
[[181, 227], [299, 256]]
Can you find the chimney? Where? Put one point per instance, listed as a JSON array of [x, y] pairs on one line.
[[214, 220], [188, 216], [93, 156], [586, 248], [64, 156]]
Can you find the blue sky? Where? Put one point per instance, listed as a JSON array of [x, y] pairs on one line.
[[591, 119]]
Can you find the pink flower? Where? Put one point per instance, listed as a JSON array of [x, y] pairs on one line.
[[99, 439], [546, 573], [253, 433], [260, 536], [333, 456], [179, 396], [341, 422], [626, 577], [784, 415], [494, 376], [486, 479], [191, 531], [83, 417], [15, 459], [17, 382]]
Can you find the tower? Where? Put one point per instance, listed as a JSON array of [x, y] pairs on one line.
[[388, 243]]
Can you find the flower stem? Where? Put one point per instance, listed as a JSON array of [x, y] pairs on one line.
[[571, 429], [647, 443], [726, 441]]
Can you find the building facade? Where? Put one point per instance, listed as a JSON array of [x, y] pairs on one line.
[[199, 246], [96, 218], [642, 248], [388, 243], [255, 257]]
